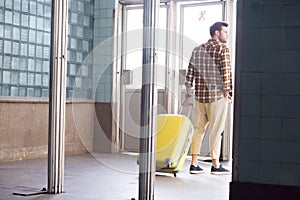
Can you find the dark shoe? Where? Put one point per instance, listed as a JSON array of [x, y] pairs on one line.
[[219, 171], [196, 170]]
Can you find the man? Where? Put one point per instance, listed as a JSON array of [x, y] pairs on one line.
[[210, 70]]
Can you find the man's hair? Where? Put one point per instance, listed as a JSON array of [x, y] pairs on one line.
[[217, 27]]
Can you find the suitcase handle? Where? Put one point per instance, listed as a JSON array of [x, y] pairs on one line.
[[191, 106]]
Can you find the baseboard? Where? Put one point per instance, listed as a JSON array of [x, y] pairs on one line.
[[254, 191]]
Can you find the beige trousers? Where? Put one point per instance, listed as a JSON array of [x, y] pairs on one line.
[[215, 115]]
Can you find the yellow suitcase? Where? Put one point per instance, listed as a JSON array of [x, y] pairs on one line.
[[173, 139]]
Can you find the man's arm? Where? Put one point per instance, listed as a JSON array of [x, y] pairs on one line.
[[226, 72], [189, 78]]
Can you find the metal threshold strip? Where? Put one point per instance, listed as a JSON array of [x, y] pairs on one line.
[[137, 2]]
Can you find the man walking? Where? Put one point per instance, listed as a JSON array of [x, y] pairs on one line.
[[210, 71]]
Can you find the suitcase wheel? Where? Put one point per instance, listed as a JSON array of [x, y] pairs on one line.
[[175, 174], [168, 162]]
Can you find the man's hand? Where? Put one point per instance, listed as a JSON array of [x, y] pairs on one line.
[[187, 100], [228, 97]]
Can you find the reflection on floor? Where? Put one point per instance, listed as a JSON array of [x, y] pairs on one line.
[[108, 177]]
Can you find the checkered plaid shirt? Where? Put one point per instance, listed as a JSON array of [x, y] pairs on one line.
[[210, 69]]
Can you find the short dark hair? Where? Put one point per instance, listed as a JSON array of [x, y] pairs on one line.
[[217, 27]]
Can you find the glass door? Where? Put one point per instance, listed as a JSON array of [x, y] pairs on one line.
[[132, 73], [193, 24]]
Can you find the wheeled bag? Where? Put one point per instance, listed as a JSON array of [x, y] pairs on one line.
[[173, 140]]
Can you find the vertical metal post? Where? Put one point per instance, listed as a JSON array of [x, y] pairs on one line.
[[57, 97], [171, 86], [148, 102]]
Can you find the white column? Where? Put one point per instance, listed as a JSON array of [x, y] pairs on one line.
[[57, 98], [227, 137], [173, 69]]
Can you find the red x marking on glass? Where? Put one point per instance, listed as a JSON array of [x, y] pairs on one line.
[[202, 17]]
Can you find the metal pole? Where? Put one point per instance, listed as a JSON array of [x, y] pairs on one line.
[[171, 85], [57, 97], [148, 102]]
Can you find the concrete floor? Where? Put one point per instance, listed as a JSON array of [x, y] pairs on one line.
[[108, 177]]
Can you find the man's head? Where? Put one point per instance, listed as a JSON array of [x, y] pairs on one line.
[[219, 31]]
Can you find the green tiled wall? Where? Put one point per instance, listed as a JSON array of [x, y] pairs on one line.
[[103, 53], [270, 95]]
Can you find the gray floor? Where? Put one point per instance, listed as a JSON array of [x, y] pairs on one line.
[[108, 177]]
